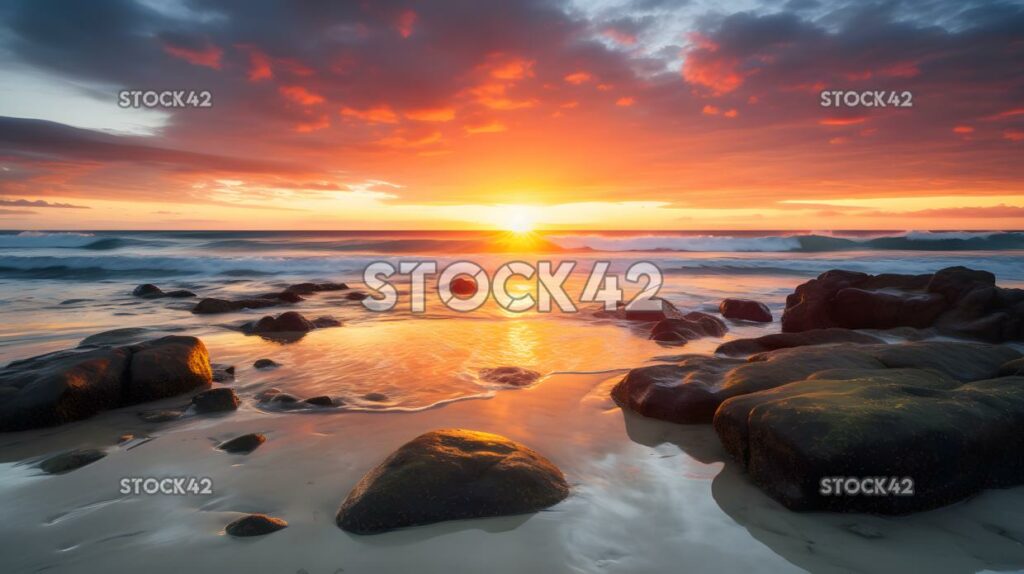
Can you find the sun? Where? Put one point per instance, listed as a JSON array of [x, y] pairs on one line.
[[519, 220]]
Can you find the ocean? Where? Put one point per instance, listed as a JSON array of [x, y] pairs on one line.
[[56, 288]]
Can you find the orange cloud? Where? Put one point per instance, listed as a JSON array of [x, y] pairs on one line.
[[259, 65], [301, 95], [494, 95], [625, 101], [376, 115], [1014, 135], [431, 114], [963, 130], [710, 110], [577, 78], [842, 121], [731, 113], [382, 114], [208, 56], [488, 128], [514, 69], [704, 66]]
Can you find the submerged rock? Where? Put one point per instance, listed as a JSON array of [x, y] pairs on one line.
[[511, 376], [746, 310], [266, 364], [320, 401], [150, 291], [451, 474], [290, 322], [788, 340], [216, 400], [375, 397], [75, 384], [213, 305], [255, 525], [243, 444], [311, 288], [356, 296], [957, 301], [691, 326], [71, 460]]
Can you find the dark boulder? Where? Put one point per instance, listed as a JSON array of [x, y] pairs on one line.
[[243, 444], [956, 301], [660, 309], [311, 288], [326, 322], [685, 392], [689, 327], [75, 384], [356, 296], [166, 367], [216, 400], [510, 376], [942, 438], [71, 460], [255, 525], [788, 340], [746, 310], [320, 401], [691, 389], [448, 475], [150, 291], [266, 364], [290, 322], [375, 397], [211, 305]]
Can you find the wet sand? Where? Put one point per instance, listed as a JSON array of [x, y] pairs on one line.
[[646, 497]]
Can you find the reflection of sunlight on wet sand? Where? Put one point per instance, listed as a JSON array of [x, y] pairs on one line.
[[418, 362]]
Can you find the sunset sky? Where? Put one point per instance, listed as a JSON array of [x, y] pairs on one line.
[[609, 114]]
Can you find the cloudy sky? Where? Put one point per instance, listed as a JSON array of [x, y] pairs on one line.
[[627, 114]]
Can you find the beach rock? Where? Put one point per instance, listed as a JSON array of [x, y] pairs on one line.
[[71, 460], [356, 296], [75, 384], [166, 367], [212, 305], [311, 288], [286, 296], [463, 286], [691, 389], [1010, 368], [957, 301], [326, 322], [161, 415], [266, 364], [150, 291], [321, 401], [375, 397], [255, 525], [216, 400], [290, 322], [952, 439], [511, 376], [243, 444], [684, 392], [745, 309], [451, 474], [223, 373], [691, 326], [125, 438], [787, 340]]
